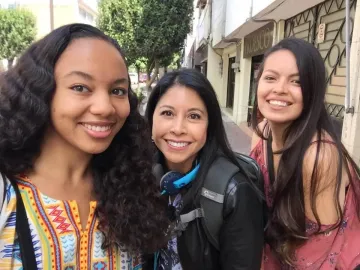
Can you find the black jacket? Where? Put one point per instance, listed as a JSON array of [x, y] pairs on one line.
[[241, 236]]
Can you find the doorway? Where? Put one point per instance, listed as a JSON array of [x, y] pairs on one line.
[[230, 84]]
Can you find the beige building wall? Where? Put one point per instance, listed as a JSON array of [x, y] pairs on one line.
[[244, 86], [214, 70], [63, 14], [228, 52], [351, 125]]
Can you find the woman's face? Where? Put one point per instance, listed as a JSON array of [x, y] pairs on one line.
[[90, 103], [179, 129], [279, 93]]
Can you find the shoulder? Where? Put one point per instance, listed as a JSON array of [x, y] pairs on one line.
[[249, 168], [321, 153], [255, 139]]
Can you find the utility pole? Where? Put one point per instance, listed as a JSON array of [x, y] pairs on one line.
[[51, 15], [251, 9]]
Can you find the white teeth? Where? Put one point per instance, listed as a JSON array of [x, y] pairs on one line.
[[97, 128], [177, 144], [278, 103]]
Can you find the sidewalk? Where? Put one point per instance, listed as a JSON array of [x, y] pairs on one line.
[[239, 138]]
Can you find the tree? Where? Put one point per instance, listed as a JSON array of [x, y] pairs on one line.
[[157, 32], [17, 32], [172, 61], [119, 19]]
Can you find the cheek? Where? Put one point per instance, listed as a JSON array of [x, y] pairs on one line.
[[261, 92], [122, 109], [201, 135], [158, 129]]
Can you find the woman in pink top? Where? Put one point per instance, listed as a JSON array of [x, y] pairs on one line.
[[311, 183]]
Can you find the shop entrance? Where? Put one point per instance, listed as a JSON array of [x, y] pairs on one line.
[[255, 67]]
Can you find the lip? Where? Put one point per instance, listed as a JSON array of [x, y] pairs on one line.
[[277, 107], [172, 147], [279, 99], [98, 134], [98, 123]]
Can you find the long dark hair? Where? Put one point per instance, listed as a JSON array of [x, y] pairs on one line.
[[286, 229], [216, 141], [129, 209]]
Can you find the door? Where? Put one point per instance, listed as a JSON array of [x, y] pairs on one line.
[[230, 85]]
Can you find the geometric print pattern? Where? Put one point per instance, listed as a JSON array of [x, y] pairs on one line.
[[58, 239]]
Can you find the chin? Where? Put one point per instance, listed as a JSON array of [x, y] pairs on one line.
[[96, 149], [279, 121]]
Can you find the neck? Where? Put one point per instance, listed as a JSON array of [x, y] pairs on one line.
[[277, 133], [61, 163], [184, 167]]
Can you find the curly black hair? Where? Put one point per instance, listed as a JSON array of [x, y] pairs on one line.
[[132, 216]]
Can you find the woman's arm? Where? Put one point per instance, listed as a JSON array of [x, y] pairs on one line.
[[242, 233], [325, 180]]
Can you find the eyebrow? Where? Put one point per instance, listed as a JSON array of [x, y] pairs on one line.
[[89, 77], [189, 110], [273, 71]]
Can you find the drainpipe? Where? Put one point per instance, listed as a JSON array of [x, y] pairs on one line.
[[348, 108], [210, 3]]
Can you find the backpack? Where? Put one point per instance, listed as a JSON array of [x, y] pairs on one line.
[[213, 193]]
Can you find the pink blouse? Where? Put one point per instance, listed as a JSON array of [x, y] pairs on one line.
[[337, 250]]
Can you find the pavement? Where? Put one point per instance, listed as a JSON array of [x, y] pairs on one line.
[[239, 136]]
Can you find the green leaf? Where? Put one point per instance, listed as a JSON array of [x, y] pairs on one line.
[[147, 29], [17, 32]]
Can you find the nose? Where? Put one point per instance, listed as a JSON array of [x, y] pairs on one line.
[[280, 87], [178, 126], [101, 104]]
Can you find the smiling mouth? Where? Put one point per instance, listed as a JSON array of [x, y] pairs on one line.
[[97, 128], [179, 145], [279, 103]]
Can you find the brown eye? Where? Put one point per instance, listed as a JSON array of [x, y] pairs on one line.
[[166, 113], [194, 116], [119, 92], [80, 88]]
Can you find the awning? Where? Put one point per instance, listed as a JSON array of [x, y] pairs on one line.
[[278, 10]]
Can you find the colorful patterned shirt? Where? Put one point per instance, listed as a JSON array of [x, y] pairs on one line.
[[59, 242], [169, 257]]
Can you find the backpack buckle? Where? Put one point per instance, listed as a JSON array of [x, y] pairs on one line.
[[184, 220]]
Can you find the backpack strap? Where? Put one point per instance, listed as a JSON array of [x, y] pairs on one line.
[[2, 190], [23, 231], [212, 197]]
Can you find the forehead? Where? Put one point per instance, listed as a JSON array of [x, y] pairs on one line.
[[94, 56], [181, 97], [281, 61]]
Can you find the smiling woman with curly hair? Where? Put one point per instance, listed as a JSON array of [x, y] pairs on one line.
[[75, 158]]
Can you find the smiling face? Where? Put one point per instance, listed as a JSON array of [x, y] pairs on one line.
[[279, 93], [90, 103], [179, 129]]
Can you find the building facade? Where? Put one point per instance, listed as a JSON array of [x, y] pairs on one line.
[[239, 33], [55, 13]]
